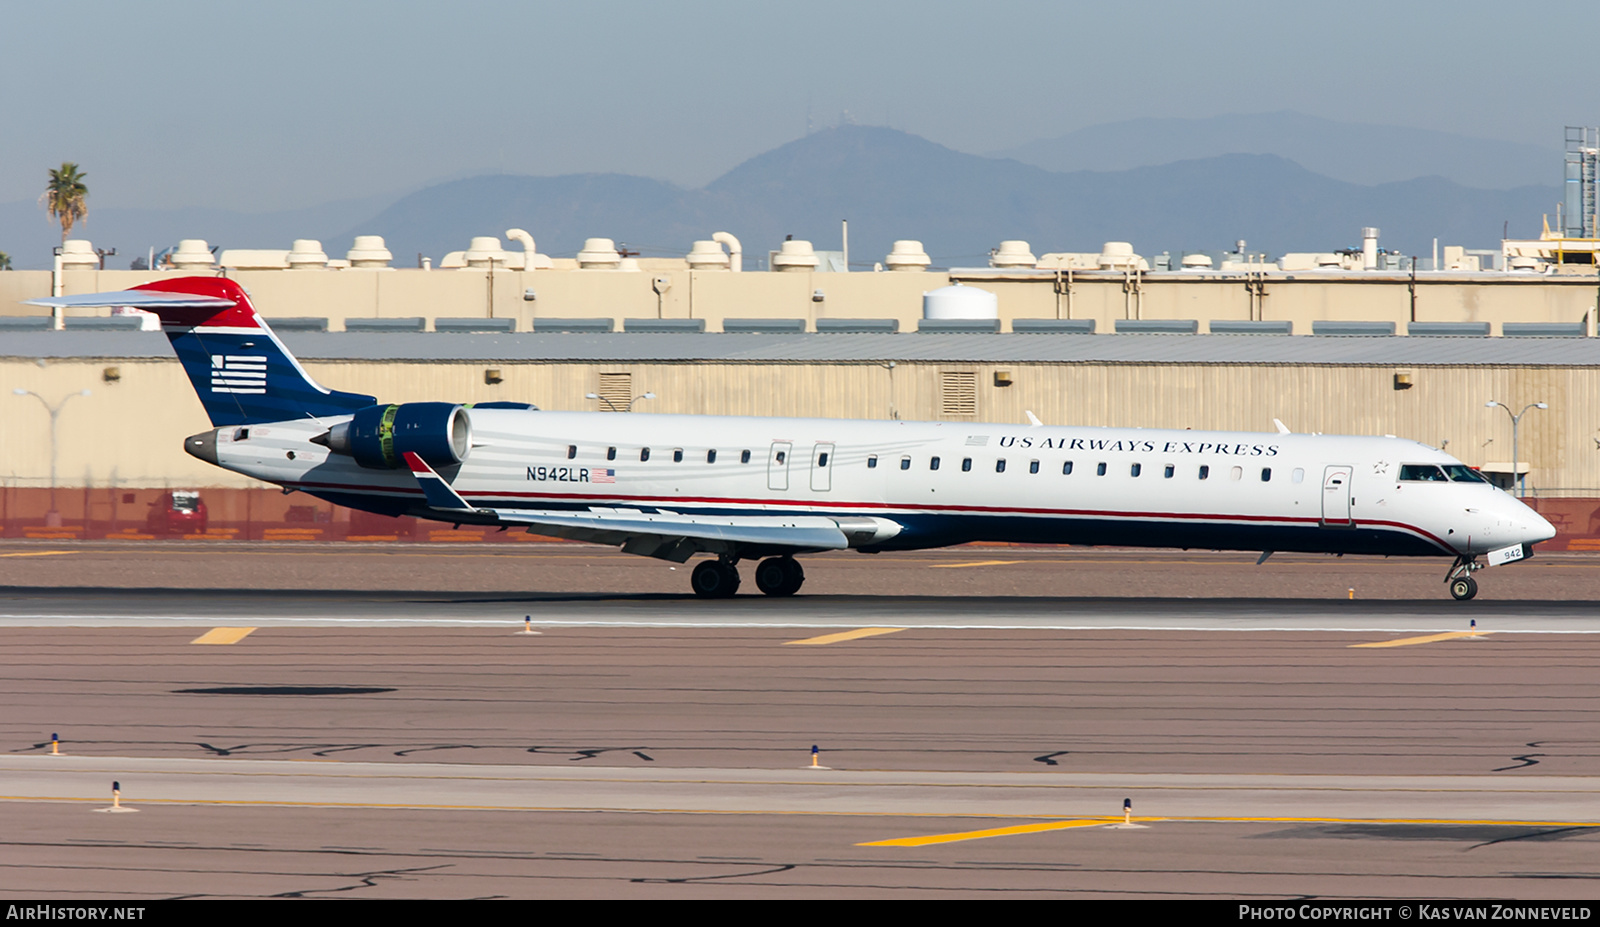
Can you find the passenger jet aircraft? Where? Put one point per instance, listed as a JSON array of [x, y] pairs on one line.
[[772, 489]]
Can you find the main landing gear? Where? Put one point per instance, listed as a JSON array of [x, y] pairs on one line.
[[1462, 585], [779, 576], [719, 579]]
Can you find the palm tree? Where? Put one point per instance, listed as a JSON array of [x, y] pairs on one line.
[[66, 197], [5, 261]]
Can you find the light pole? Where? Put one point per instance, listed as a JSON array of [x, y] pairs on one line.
[[614, 405], [1516, 474], [52, 518]]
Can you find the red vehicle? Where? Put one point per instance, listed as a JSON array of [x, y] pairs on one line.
[[177, 512]]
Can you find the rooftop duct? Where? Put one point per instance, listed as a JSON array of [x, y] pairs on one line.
[[794, 256], [907, 255], [307, 254], [599, 254], [192, 254], [1013, 254], [369, 252]]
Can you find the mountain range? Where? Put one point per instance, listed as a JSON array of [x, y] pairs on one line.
[[889, 185]]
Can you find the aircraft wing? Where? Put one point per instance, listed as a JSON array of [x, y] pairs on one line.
[[666, 535]]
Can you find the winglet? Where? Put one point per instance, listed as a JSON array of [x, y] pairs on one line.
[[440, 494]]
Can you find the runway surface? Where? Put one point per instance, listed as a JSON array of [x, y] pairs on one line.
[[395, 735]]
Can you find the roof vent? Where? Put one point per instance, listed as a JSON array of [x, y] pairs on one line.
[[707, 255], [599, 254], [192, 254], [795, 255], [485, 253], [1013, 254], [307, 254], [908, 256], [369, 252], [1118, 255], [78, 254], [1197, 262]]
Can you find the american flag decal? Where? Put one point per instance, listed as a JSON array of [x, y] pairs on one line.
[[235, 373], [603, 476]]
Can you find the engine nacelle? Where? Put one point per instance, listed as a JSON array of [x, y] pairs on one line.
[[377, 436]]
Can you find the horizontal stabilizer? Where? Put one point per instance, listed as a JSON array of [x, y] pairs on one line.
[[137, 299]]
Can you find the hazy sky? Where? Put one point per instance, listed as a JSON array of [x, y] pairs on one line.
[[275, 105]]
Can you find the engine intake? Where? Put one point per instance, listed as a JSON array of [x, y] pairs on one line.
[[377, 436]]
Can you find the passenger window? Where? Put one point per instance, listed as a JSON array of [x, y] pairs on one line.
[[1169, 472], [611, 453], [572, 451], [966, 464], [1066, 468], [1033, 466], [644, 454], [822, 459], [744, 456], [933, 463], [905, 463], [783, 456], [1237, 473], [1000, 465], [1205, 472], [1135, 470], [872, 461], [1266, 474], [1298, 476], [711, 456], [1100, 469], [677, 455]]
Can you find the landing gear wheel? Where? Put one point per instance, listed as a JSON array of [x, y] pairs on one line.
[[779, 576], [714, 579], [1463, 588]]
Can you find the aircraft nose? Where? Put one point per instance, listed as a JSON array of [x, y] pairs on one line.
[[1529, 526]]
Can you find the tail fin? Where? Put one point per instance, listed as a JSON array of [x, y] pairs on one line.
[[241, 371]]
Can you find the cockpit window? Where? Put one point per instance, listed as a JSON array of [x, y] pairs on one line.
[[1461, 473], [1422, 473]]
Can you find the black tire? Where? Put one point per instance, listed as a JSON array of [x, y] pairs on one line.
[[771, 577], [713, 579], [794, 576], [1463, 588], [779, 576]]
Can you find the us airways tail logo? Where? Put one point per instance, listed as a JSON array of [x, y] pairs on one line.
[[235, 373]]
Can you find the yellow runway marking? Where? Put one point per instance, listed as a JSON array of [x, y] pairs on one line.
[[1425, 639], [951, 566], [39, 553], [991, 832], [223, 636], [857, 634], [1100, 822]]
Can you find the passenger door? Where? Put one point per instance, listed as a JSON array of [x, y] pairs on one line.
[[822, 468], [1336, 496], [778, 466]]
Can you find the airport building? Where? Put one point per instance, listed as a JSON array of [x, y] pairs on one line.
[[1358, 341]]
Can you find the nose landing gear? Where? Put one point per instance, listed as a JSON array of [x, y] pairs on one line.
[[1462, 585]]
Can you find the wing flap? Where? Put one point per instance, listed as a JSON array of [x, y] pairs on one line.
[[634, 529]]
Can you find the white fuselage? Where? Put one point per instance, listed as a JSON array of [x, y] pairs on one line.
[[1146, 487]]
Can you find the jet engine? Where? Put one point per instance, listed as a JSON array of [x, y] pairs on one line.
[[377, 436]]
